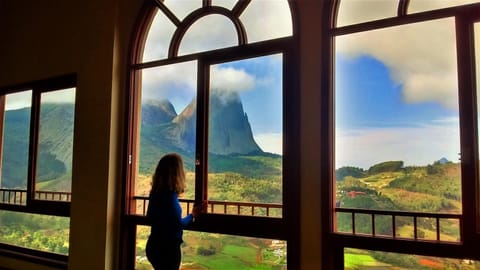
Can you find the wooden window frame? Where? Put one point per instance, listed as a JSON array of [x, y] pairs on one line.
[[284, 228], [465, 17], [34, 205]]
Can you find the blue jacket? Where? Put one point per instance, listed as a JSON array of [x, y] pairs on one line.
[[165, 214]]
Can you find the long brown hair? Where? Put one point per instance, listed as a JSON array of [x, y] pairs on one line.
[[169, 174]]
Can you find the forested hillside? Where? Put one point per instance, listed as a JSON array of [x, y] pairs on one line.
[[54, 149], [435, 188], [390, 186]]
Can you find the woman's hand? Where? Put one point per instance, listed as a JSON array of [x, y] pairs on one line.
[[199, 209]]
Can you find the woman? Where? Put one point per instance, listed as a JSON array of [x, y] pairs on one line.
[[165, 214]]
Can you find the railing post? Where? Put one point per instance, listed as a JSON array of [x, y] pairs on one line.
[[438, 228], [415, 235], [373, 224], [353, 223], [394, 230]]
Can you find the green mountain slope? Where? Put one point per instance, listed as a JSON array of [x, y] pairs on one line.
[[231, 142], [54, 149], [432, 188], [230, 137]]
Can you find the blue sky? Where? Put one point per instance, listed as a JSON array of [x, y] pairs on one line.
[[396, 87], [263, 103], [257, 80], [368, 97], [397, 95], [376, 123]]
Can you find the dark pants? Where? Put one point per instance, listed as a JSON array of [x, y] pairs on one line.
[[164, 255]]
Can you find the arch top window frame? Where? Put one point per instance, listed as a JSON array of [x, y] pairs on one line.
[[282, 228], [182, 26], [201, 13], [402, 17]]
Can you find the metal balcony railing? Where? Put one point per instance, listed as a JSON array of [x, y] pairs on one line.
[[19, 196], [414, 220], [220, 207], [13, 196]]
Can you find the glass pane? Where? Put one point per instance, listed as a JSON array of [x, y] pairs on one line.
[[383, 225], [425, 5], [426, 229], [344, 222], [167, 122], [55, 145], [397, 120], [449, 230], [158, 38], [363, 224], [367, 259], [209, 33], [39, 232], [358, 11], [16, 138], [229, 4], [204, 251], [264, 20], [245, 134], [182, 8]]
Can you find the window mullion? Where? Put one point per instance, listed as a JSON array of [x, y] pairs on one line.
[[2, 123], [468, 130], [201, 155], [33, 146]]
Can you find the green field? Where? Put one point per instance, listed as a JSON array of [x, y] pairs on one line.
[[202, 251], [435, 188]]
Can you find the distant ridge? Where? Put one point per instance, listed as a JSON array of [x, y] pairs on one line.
[[162, 130]]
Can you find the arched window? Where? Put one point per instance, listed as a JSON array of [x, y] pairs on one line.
[[404, 144], [215, 81]]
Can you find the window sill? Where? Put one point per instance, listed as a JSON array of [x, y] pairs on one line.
[[41, 258]]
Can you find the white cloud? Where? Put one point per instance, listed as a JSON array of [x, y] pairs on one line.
[[270, 142], [182, 8], [18, 100], [353, 11], [421, 57], [209, 33], [158, 38], [61, 96], [424, 5], [229, 4], [24, 99], [267, 19], [227, 82], [231, 80], [263, 20], [177, 82], [419, 145]]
